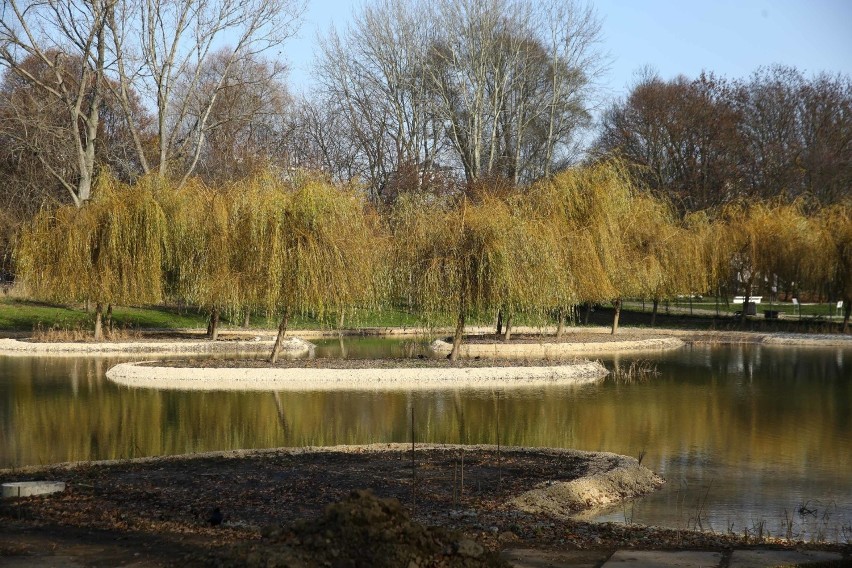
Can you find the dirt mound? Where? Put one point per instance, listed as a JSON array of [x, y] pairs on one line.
[[621, 479], [361, 531]]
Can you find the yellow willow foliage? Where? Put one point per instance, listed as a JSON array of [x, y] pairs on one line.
[[836, 222], [472, 257], [257, 258], [767, 239], [200, 271], [669, 257], [263, 244], [328, 248], [112, 250], [650, 243], [593, 210], [708, 238]]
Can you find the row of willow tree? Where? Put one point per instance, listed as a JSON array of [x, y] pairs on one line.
[[305, 246]]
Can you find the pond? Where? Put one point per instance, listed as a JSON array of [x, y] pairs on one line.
[[750, 438]]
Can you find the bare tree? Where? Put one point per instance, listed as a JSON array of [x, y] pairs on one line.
[[248, 124], [680, 138], [161, 47], [512, 79], [488, 87], [38, 147], [709, 141], [52, 33], [320, 140], [374, 78]]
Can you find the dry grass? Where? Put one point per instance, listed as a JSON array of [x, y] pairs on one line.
[[79, 333], [640, 370]]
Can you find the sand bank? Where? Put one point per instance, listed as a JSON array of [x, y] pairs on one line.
[[553, 350], [293, 346], [278, 379]]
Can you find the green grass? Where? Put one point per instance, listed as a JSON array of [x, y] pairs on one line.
[[809, 310], [24, 315], [20, 315]]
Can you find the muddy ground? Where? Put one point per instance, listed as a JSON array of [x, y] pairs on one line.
[[274, 505]]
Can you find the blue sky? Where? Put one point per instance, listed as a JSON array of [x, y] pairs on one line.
[[729, 37]]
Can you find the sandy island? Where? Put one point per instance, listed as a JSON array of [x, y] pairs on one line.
[[259, 344], [300, 378], [556, 349]]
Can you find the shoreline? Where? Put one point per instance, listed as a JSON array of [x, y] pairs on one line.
[[293, 346], [259, 341], [554, 349]]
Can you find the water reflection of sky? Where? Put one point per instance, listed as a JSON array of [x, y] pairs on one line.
[[742, 433]]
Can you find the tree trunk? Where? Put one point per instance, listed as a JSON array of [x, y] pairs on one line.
[[717, 301], [341, 321], [457, 337], [617, 304], [213, 326], [847, 311], [745, 307], [499, 322], [109, 319], [99, 331], [588, 311], [560, 327], [654, 312], [279, 339], [247, 319], [507, 335]]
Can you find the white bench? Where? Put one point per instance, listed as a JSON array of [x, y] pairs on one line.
[[741, 299]]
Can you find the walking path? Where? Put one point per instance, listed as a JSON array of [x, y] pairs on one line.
[[740, 558], [532, 558]]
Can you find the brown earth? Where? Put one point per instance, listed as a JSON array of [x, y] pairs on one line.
[[158, 512]]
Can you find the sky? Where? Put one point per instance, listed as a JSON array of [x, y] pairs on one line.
[[728, 37]]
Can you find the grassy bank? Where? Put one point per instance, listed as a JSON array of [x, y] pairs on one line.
[[19, 315], [23, 316]]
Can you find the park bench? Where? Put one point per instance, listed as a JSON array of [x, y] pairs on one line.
[[751, 308], [741, 299]]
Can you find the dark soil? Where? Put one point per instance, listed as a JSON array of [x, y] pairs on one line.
[[274, 507]]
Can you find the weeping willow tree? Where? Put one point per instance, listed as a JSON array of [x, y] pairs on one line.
[[110, 252], [200, 271], [324, 247], [594, 209], [255, 222], [668, 255], [837, 254], [469, 257], [704, 239], [562, 204], [792, 247], [766, 241]]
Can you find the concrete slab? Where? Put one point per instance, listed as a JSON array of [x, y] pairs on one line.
[[664, 559], [30, 488], [765, 558], [39, 562], [530, 558]]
